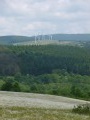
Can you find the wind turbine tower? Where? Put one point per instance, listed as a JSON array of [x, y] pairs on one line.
[[38, 37], [51, 37], [35, 39]]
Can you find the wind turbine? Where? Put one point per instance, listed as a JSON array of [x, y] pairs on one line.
[[38, 36], [43, 37], [51, 37], [35, 39]]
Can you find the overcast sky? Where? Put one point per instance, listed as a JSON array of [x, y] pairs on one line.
[[30, 17]]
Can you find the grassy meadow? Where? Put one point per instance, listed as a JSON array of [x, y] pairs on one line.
[[25, 113]]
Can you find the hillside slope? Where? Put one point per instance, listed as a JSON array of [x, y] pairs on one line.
[[24, 40], [37, 100], [10, 40]]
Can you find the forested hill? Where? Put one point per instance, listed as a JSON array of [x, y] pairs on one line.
[[10, 40], [50, 69], [38, 60], [72, 37]]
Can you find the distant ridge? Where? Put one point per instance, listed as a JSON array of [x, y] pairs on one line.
[[10, 40], [74, 37]]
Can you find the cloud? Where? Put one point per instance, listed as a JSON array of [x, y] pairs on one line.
[[27, 17]]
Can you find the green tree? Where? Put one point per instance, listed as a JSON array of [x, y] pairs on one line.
[[76, 91], [7, 86], [16, 87]]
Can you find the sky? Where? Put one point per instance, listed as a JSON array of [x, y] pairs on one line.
[[31, 17]]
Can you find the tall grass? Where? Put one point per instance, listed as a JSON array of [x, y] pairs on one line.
[[25, 113]]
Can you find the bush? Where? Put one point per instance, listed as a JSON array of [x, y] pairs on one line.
[[7, 86], [82, 109], [16, 87]]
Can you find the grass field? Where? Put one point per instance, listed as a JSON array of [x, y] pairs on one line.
[[25, 113], [47, 42], [29, 106]]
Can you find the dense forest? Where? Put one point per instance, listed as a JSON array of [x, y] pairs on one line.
[[49, 69]]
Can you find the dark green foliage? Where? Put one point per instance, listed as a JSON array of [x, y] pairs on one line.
[[76, 91], [82, 109], [37, 60], [49, 69], [44, 59], [10, 85], [7, 86], [8, 64], [16, 87], [71, 85], [34, 88]]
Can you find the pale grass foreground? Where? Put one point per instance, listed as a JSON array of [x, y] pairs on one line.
[[29, 106]]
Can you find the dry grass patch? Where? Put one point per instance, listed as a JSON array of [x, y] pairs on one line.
[[25, 113]]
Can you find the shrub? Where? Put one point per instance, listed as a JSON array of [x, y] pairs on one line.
[[16, 87], [7, 86], [82, 109]]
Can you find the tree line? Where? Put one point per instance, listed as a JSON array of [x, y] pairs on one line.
[[48, 69], [36, 60]]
